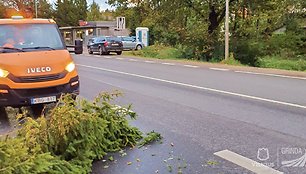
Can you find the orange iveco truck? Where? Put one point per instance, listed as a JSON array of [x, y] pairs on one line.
[[35, 66]]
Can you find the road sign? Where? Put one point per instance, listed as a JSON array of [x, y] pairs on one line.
[[120, 23]]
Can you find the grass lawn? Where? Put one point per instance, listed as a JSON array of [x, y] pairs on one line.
[[170, 53]]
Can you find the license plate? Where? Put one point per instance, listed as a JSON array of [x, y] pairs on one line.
[[43, 100], [115, 44]]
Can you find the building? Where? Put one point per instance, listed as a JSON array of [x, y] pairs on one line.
[[87, 30]]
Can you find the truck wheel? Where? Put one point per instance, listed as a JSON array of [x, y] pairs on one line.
[[37, 110], [119, 52], [4, 120]]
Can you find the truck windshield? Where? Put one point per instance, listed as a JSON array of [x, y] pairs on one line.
[[29, 37]]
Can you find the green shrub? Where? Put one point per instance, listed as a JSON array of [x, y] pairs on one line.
[[247, 52], [69, 138], [231, 61], [186, 51], [281, 63], [285, 45], [159, 51]]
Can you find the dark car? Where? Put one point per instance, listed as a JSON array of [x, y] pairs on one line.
[[105, 45]]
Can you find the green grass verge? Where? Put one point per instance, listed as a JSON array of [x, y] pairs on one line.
[[166, 52], [158, 52], [279, 63]]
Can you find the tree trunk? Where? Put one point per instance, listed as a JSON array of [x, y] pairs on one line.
[[213, 20]]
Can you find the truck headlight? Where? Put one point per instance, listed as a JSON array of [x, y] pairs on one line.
[[70, 67], [3, 73]]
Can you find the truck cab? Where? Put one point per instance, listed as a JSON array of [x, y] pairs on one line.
[[35, 66]]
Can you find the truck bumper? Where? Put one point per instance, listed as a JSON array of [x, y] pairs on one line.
[[23, 97]]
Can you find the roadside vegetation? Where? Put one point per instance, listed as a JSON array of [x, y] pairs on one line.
[[296, 63], [70, 136], [269, 34], [266, 34]]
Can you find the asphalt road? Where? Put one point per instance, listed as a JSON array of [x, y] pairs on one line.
[[212, 120], [201, 111]]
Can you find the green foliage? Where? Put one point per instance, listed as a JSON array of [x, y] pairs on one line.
[[283, 63], [94, 13], [231, 61], [69, 12], [2, 9], [197, 26], [284, 45], [69, 138], [64, 14], [246, 52], [81, 6], [160, 52], [17, 157], [44, 9], [151, 137]]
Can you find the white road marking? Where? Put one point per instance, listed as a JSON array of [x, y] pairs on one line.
[[219, 69], [246, 163], [118, 58], [274, 75], [199, 87], [150, 61], [191, 66], [171, 64], [133, 60]]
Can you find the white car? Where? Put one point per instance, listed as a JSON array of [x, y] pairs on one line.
[[130, 43]]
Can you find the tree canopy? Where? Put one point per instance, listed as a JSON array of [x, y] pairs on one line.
[[199, 24]]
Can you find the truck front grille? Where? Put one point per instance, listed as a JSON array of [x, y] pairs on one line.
[[33, 79]]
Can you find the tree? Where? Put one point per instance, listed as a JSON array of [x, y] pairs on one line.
[[45, 9], [66, 13], [19, 5], [25, 8], [2, 9], [81, 6], [199, 24], [94, 13]]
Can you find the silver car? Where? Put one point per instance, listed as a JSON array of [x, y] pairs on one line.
[[130, 43]]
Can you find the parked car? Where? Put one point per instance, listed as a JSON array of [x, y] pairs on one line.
[[105, 45], [130, 43]]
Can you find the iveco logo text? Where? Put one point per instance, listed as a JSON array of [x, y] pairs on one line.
[[39, 70]]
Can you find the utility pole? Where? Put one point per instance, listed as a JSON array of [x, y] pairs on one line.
[[35, 2], [227, 30]]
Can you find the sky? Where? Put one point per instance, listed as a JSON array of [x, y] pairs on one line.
[[102, 3]]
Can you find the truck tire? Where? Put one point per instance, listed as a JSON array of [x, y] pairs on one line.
[[4, 120], [37, 110]]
